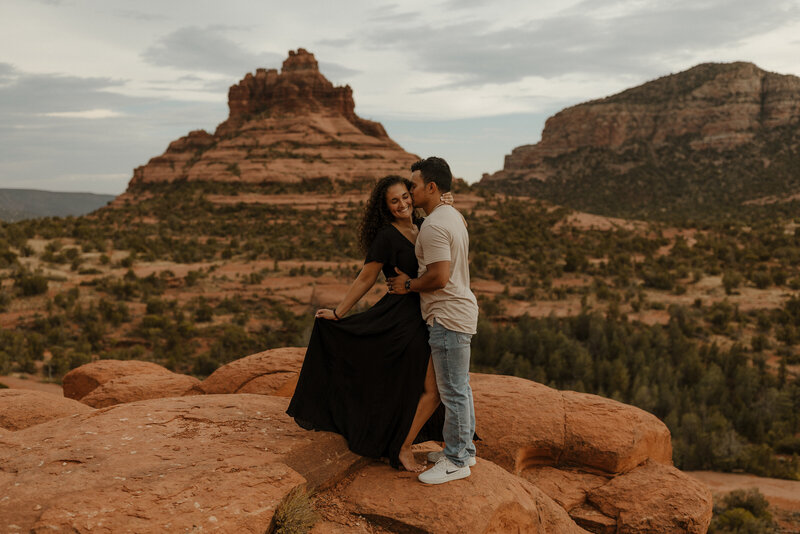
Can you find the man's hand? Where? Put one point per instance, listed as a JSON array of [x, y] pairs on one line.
[[397, 284]]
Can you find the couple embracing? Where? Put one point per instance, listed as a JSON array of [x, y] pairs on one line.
[[398, 373]]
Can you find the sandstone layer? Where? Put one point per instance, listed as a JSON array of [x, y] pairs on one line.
[[720, 105], [288, 127], [713, 137], [220, 459]]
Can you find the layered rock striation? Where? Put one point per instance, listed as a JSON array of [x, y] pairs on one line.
[[730, 126], [283, 127], [223, 456]]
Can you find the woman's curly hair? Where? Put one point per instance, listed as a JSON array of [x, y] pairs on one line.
[[377, 214]]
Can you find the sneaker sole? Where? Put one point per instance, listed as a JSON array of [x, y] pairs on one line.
[[442, 480]]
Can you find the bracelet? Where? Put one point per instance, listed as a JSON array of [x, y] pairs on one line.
[[335, 315], [408, 284]]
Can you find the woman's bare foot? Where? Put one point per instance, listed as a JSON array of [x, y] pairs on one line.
[[407, 459]]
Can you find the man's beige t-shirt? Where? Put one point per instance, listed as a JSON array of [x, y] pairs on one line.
[[444, 237]]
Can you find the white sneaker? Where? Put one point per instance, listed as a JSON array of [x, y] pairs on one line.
[[444, 471], [434, 456]]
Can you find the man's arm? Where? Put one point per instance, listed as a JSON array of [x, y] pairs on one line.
[[435, 277]]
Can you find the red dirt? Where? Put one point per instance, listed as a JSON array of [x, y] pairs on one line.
[[783, 495]]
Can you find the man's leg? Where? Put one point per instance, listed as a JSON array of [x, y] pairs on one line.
[[450, 353], [471, 447]]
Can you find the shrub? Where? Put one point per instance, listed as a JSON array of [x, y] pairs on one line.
[[761, 279], [730, 281], [658, 278], [204, 312], [788, 445], [295, 514], [30, 284], [759, 343], [192, 277]]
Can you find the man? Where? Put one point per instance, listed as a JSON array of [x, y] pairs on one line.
[[450, 310]]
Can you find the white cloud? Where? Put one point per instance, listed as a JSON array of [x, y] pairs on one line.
[[87, 114]]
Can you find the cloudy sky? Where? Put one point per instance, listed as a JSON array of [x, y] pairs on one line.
[[91, 89]]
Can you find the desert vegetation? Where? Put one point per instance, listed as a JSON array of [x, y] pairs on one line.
[[696, 323], [675, 183], [743, 511]]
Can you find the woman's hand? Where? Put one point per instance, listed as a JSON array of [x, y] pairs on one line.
[[447, 198], [325, 313]]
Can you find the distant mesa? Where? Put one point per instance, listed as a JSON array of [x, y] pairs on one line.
[[285, 127], [21, 204], [716, 133]]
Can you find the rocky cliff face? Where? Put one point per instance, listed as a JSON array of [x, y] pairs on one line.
[[691, 123], [165, 454], [282, 128]]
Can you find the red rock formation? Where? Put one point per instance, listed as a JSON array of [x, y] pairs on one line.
[[283, 127], [719, 106], [226, 463], [137, 387], [23, 408], [216, 463], [582, 450], [490, 500], [573, 429], [557, 462], [655, 498], [84, 379], [272, 372]]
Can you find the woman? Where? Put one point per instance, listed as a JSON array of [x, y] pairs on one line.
[[369, 377]]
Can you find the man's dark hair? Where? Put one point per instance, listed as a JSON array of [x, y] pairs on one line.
[[435, 170]]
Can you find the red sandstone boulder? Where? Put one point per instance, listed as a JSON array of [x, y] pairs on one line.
[[23, 408], [272, 372], [491, 500], [219, 462], [573, 446], [655, 498], [651, 498], [82, 380], [139, 387], [550, 427], [612, 436], [567, 486], [519, 421], [227, 462]]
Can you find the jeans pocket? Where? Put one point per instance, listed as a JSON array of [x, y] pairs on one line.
[[436, 336], [463, 339]]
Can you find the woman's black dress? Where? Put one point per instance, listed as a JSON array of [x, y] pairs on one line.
[[363, 375]]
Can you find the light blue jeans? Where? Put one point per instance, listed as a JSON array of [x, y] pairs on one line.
[[450, 353]]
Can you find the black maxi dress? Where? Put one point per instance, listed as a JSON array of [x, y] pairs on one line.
[[362, 376]]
